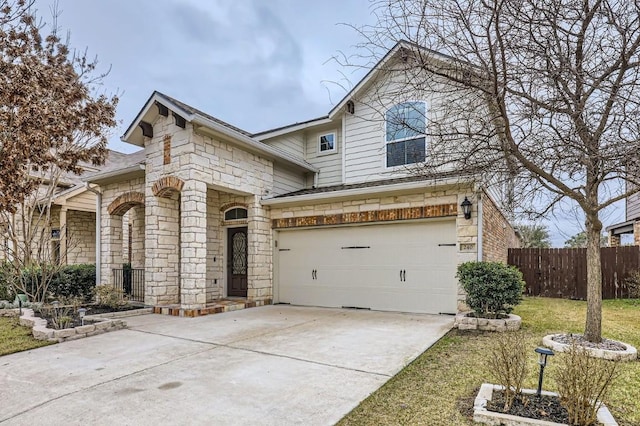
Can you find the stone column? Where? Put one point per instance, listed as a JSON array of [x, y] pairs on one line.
[[636, 233], [137, 240], [614, 240], [260, 271], [111, 252], [215, 258], [162, 253], [193, 245]]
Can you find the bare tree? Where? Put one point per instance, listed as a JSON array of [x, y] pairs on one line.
[[33, 255], [543, 92], [50, 115], [52, 121]]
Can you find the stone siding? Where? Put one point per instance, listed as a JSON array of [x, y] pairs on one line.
[[112, 237], [81, 237], [497, 233]]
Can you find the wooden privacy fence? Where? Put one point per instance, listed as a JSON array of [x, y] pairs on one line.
[[562, 273]]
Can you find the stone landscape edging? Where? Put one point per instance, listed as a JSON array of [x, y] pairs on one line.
[[482, 415], [40, 331], [121, 314], [629, 354], [464, 322]]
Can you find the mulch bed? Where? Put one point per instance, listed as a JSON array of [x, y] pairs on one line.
[[91, 310], [544, 408]]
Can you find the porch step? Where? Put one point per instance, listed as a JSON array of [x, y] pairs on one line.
[[216, 307]]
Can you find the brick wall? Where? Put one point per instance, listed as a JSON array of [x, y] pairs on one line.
[[497, 233]]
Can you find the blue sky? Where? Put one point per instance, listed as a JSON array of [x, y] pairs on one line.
[[256, 64]]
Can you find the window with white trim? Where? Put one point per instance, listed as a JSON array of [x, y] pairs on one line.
[[327, 143], [405, 134], [236, 213]]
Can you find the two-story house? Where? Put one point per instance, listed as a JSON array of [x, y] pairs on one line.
[[327, 212], [631, 224]]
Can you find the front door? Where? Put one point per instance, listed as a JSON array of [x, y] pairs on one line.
[[237, 262]]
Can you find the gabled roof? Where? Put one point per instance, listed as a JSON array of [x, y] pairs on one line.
[[363, 83], [380, 65], [134, 133]]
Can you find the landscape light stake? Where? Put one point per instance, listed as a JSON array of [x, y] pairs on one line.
[[82, 312], [544, 353]]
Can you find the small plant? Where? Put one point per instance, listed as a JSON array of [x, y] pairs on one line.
[[493, 288], [61, 314], [110, 296], [507, 363], [633, 284], [583, 382]]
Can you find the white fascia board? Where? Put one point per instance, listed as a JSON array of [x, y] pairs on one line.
[[374, 71], [156, 97], [254, 145], [114, 173], [65, 195], [291, 129], [359, 192]]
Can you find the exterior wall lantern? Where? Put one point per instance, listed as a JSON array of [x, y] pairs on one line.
[[544, 353], [466, 208]]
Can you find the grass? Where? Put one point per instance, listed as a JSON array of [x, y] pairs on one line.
[[16, 338], [438, 388]]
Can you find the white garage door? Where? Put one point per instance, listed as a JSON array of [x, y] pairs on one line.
[[406, 267]]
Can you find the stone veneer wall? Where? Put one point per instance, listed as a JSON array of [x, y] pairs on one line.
[[112, 227], [467, 229], [215, 257], [497, 233], [178, 230], [81, 237]]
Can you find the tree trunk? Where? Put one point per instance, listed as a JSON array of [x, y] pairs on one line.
[[593, 326]]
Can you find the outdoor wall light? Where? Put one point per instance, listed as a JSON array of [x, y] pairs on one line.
[[466, 208], [82, 312], [544, 353]]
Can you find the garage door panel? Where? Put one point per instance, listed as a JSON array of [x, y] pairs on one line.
[[369, 276]]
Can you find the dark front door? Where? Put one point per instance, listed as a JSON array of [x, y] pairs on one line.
[[237, 262]]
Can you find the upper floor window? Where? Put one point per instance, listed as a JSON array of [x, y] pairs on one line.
[[405, 134], [327, 143], [235, 214]]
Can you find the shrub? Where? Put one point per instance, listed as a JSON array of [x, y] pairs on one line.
[[583, 382], [507, 363], [110, 296], [633, 284], [74, 281], [7, 288], [492, 288]]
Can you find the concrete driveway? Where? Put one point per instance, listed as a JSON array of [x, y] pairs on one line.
[[274, 365]]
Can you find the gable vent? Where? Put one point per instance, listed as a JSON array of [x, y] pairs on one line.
[[350, 107]]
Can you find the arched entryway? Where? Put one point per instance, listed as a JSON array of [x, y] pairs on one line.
[[124, 232]]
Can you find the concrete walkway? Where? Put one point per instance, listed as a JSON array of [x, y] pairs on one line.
[[274, 365]]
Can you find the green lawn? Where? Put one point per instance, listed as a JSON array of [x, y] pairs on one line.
[[438, 388], [16, 338]]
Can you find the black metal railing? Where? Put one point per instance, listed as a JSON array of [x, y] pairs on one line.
[[131, 282]]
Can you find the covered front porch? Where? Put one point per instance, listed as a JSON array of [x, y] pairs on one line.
[[200, 249]]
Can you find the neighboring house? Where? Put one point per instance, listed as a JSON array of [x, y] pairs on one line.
[[321, 213], [631, 225], [66, 234]]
